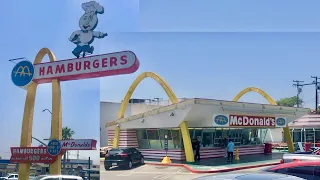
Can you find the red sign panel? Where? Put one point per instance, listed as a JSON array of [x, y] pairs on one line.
[[32, 155], [78, 144], [256, 121], [117, 63]]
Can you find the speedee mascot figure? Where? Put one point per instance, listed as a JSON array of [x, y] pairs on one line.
[[87, 23]]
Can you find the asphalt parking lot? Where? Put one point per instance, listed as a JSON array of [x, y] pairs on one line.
[[147, 172]]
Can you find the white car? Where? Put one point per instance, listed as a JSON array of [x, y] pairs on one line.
[[57, 177], [11, 177]]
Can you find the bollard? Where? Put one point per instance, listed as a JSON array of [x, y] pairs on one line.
[[237, 158], [166, 160]]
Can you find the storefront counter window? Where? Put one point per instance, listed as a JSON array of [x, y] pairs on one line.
[[209, 137], [155, 138]]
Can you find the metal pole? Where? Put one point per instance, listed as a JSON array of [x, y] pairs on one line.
[[89, 169]]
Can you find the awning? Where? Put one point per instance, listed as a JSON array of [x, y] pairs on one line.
[[307, 121]]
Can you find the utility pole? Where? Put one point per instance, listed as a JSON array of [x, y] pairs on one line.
[[298, 85], [316, 83]]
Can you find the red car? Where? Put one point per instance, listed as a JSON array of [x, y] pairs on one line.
[[309, 170]]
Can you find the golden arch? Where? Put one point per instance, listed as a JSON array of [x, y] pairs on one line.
[[22, 72], [286, 130], [173, 98], [56, 120]]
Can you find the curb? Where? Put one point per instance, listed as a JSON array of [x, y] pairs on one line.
[[212, 171]]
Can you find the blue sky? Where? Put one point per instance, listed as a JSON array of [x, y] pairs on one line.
[[218, 65], [229, 15], [209, 65], [37, 24]]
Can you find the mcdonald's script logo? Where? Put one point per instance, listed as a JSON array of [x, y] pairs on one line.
[[22, 73]]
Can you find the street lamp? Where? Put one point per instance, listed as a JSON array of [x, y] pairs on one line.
[[38, 140], [51, 124]]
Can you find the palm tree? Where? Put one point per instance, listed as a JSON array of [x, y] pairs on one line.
[[66, 135]]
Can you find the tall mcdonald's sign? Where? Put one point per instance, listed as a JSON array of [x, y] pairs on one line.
[[29, 75]]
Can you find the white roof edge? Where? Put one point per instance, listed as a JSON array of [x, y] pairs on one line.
[[203, 102]]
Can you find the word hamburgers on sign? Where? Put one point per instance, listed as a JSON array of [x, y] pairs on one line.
[[32, 155], [124, 62], [248, 121]]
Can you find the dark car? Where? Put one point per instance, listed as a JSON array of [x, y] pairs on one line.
[[123, 157], [305, 169], [249, 176]]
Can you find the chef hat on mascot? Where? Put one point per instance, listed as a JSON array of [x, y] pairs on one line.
[[92, 7]]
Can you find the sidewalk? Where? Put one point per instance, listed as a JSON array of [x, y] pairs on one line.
[[215, 165]]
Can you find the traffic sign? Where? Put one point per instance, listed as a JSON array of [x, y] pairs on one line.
[[54, 147]]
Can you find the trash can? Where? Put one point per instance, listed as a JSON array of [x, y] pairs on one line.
[[267, 148], [307, 146]]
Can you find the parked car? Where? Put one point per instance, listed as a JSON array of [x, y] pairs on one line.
[[249, 176], [123, 157], [302, 157], [305, 169], [10, 177], [57, 177]]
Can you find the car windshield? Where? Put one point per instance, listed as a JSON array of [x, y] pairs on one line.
[[10, 175], [115, 151]]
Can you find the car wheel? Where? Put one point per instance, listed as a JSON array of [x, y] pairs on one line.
[[106, 167], [142, 161], [129, 165]]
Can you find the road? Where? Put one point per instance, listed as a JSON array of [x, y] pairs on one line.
[[149, 172]]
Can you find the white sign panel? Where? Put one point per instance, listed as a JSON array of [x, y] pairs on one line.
[[78, 144], [232, 120]]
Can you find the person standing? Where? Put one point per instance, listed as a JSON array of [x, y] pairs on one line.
[[225, 146], [230, 150], [196, 149]]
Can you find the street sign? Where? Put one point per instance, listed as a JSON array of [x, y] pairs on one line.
[[54, 147]]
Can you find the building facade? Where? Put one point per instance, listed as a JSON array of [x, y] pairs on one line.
[[145, 127]]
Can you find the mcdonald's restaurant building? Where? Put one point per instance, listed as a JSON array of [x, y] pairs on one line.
[[145, 125]]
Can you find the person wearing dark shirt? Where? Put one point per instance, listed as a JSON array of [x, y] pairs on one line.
[[196, 149]]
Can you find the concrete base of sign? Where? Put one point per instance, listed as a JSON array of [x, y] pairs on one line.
[[166, 160]]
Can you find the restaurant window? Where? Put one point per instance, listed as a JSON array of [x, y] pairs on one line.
[[176, 138], [198, 134], [142, 137], [236, 136], [217, 138], [191, 132], [154, 139], [207, 138]]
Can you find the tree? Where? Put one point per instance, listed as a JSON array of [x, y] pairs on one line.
[[289, 101], [67, 134]]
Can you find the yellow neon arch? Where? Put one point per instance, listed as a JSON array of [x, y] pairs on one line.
[[286, 130], [173, 98], [56, 120]]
